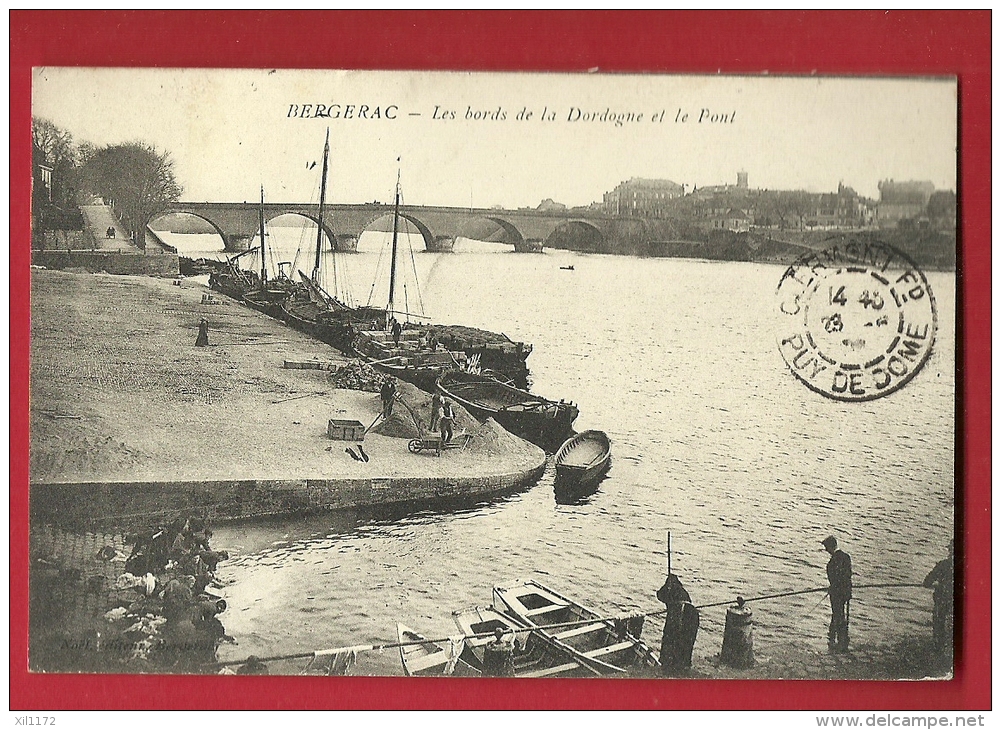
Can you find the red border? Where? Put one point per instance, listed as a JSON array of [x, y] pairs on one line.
[[885, 43]]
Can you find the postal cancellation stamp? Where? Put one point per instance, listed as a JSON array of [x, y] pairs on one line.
[[858, 320]]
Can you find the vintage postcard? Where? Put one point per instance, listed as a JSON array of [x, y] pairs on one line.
[[475, 374]]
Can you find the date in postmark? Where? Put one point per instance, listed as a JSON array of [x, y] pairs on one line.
[[857, 320]]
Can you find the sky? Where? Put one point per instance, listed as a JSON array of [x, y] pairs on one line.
[[231, 131]]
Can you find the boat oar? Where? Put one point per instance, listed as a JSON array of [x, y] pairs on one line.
[[804, 592], [548, 627], [358, 648], [297, 397], [384, 360]]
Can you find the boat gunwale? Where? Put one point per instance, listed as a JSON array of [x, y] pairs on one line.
[[640, 656], [575, 440]]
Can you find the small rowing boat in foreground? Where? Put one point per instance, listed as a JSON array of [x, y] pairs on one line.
[[583, 460], [534, 655], [606, 645]]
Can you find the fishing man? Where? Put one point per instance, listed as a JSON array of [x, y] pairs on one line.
[[681, 627], [942, 579], [839, 575]]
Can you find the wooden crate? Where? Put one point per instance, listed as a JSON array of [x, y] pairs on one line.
[[340, 429]]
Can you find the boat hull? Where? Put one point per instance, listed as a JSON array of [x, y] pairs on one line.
[[602, 644], [408, 361], [544, 422], [428, 658], [534, 655], [586, 471], [268, 301]]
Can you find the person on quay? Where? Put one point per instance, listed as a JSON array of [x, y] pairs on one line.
[[681, 627], [446, 421], [388, 395], [435, 410], [839, 577], [203, 333], [397, 330], [943, 579]]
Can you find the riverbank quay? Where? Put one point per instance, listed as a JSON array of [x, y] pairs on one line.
[[130, 421]]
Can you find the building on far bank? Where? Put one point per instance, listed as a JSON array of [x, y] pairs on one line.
[[735, 220], [549, 206], [642, 197], [902, 200]]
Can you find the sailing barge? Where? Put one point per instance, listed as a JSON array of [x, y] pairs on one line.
[[411, 359], [544, 422]]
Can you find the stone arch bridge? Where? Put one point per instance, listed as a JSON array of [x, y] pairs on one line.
[[526, 230]]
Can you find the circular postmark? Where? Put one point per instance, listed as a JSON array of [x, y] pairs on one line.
[[857, 320]]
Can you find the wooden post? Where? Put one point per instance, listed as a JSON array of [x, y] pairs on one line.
[[738, 637]]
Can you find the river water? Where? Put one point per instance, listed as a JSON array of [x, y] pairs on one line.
[[713, 440]]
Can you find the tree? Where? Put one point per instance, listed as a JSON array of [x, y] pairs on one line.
[[136, 180], [56, 146]]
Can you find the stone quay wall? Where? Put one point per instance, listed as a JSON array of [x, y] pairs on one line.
[[111, 262]]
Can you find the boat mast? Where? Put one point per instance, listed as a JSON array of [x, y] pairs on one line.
[[264, 269], [319, 224], [392, 262]]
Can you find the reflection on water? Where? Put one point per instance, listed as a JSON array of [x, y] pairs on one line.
[[712, 439]]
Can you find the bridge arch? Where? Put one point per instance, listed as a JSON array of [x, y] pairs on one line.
[[421, 226], [315, 220], [487, 228], [579, 235], [212, 223], [215, 226]]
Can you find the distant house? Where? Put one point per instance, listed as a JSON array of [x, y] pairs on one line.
[[902, 200], [550, 205], [734, 219], [642, 197], [42, 176]]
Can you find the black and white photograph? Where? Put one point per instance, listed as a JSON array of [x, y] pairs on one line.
[[470, 374]]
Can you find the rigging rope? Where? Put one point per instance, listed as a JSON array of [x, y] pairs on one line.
[[413, 260], [378, 269]]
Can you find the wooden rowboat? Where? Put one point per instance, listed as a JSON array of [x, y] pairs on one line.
[[583, 459], [534, 655], [534, 418], [609, 646], [428, 658]]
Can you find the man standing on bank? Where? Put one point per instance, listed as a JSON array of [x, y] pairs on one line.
[[839, 575], [942, 579], [445, 421]]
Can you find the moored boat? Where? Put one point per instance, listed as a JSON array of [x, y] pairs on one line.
[[309, 308], [610, 646], [534, 655], [544, 422], [583, 460], [494, 350], [269, 294], [410, 360], [233, 281]]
